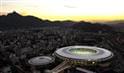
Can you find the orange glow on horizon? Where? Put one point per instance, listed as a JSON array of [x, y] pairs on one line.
[[75, 10], [78, 18]]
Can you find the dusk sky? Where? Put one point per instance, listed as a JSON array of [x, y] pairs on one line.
[[77, 10]]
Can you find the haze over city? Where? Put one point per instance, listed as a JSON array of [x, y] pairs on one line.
[[76, 10]]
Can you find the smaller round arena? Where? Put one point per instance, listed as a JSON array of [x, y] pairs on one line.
[[41, 60]]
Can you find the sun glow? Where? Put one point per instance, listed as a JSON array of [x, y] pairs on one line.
[[90, 10]]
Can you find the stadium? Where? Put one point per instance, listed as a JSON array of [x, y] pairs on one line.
[[81, 56]]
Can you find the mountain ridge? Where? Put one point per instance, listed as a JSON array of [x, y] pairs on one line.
[[17, 21]]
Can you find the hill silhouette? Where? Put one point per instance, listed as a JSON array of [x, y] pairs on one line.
[[16, 21], [118, 25], [92, 26]]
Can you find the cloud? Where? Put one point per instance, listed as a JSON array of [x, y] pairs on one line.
[[70, 6]]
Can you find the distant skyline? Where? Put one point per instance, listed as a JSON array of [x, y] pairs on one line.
[[76, 10]]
